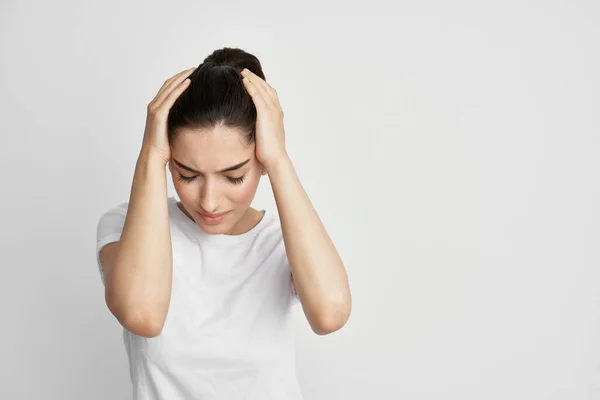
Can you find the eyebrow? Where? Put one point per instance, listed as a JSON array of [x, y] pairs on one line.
[[232, 168]]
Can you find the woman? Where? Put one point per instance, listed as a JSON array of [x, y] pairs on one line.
[[203, 287]]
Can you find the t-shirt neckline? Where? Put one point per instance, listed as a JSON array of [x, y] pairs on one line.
[[220, 238]]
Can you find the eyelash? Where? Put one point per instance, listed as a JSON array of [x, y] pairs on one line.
[[236, 181]]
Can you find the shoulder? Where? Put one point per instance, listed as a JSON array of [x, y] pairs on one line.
[[272, 223]]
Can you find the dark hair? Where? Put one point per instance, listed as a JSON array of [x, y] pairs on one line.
[[216, 95]]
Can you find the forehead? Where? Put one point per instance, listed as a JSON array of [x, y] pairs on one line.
[[211, 149]]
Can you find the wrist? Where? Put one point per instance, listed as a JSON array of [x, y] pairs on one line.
[[148, 155], [277, 163]]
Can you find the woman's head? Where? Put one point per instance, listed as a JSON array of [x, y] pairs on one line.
[[211, 128]]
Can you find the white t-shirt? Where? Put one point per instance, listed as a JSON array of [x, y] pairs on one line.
[[229, 331]]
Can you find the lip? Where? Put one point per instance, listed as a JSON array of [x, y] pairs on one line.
[[213, 218], [215, 215]]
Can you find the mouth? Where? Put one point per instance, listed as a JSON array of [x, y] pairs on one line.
[[213, 219], [214, 215]]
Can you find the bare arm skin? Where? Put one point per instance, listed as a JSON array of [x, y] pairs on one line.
[[138, 268]]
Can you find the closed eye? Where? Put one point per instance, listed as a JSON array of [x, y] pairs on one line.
[[187, 179]]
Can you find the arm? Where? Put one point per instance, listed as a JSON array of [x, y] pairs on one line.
[[318, 272], [138, 283], [319, 275], [138, 268]]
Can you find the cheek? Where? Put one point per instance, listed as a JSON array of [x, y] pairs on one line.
[[186, 192], [244, 193]]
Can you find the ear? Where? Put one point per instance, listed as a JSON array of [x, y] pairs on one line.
[[264, 170]]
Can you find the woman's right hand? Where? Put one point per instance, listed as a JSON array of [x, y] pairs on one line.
[[155, 134]]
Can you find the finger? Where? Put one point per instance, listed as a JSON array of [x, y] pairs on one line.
[[171, 79], [173, 95], [256, 95], [263, 86], [170, 84]]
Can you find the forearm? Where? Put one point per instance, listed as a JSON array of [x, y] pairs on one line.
[[320, 277], [143, 269]]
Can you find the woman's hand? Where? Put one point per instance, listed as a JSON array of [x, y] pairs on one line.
[[155, 135], [270, 135]]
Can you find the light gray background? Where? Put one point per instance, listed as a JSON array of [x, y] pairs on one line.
[[450, 148]]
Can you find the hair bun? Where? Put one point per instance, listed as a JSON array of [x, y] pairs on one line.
[[235, 58]]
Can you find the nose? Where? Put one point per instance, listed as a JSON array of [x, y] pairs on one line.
[[208, 196]]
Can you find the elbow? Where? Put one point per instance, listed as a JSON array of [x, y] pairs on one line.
[[142, 326], [138, 323], [332, 321]]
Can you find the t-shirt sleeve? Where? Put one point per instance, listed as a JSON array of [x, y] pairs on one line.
[[295, 298], [109, 228], [286, 263]]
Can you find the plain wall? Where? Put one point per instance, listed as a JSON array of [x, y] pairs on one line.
[[450, 149]]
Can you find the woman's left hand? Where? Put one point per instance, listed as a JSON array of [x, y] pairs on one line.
[[270, 135]]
